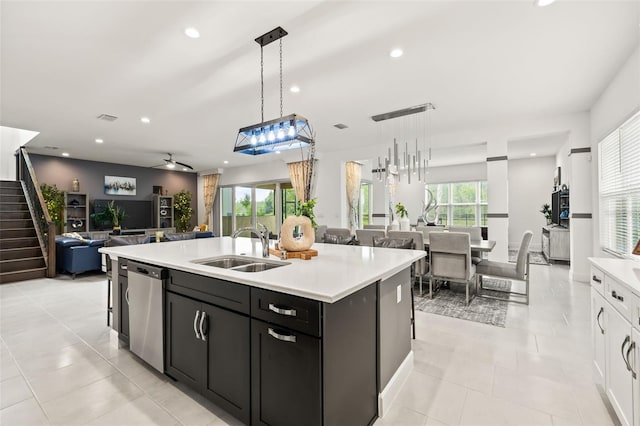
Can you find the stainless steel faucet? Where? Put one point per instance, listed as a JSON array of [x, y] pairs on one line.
[[263, 235]]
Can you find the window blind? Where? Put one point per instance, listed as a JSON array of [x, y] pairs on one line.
[[619, 187]]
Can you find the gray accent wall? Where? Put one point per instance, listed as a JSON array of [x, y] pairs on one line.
[[61, 171]]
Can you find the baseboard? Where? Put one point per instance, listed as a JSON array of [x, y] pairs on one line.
[[389, 393]]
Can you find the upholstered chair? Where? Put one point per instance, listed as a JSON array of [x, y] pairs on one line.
[[365, 236], [518, 271], [475, 234], [450, 260], [421, 266]]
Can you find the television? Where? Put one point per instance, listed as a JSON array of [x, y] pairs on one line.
[[138, 214], [555, 207]]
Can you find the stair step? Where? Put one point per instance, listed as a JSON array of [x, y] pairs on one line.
[[15, 223], [17, 233], [28, 274], [10, 184], [12, 198], [24, 214], [11, 191], [13, 265], [20, 253], [13, 206], [11, 243]]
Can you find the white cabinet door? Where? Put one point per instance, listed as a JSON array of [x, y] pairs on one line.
[[618, 376], [598, 331]]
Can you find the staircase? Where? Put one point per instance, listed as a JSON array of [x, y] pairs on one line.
[[21, 257]]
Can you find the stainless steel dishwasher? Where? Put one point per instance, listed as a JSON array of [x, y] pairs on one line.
[[145, 312]]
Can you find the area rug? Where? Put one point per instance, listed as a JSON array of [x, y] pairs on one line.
[[535, 257], [451, 303]]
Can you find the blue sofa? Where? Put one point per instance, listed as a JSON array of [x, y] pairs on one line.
[[76, 256]]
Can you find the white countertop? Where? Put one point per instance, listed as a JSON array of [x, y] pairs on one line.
[[336, 272], [626, 271]]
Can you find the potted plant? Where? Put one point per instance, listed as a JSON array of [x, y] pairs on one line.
[[54, 198], [405, 224], [546, 211], [306, 209], [183, 210], [111, 214]]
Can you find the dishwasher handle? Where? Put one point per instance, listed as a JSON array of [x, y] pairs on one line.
[[155, 272]]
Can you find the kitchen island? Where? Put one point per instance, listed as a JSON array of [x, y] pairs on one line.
[[321, 341]]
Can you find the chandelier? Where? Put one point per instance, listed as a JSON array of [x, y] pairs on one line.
[[414, 160], [283, 133]]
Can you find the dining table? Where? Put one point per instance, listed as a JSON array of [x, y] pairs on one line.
[[484, 246]]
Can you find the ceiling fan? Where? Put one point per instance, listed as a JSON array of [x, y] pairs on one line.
[[170, 163]]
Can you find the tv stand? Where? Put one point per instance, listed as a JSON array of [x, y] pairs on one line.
[[556, 243], [103, 235]]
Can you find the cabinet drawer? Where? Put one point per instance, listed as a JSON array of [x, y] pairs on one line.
[[621, 298], [597, 280], [296, 313], [211, 290]]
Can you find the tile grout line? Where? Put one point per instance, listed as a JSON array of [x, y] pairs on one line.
[[97, 353]]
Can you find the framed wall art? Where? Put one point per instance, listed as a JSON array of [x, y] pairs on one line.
[[118, 185]]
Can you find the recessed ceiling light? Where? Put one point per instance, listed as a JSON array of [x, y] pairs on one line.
[[543, 3], [184, 169], [277, 152], [226, 162], [171, 166], [65, 154], [396, 53], [99, 140], [295, 89], [145, 120], [192, 32], [533, 154]]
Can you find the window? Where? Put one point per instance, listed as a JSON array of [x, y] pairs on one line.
[[461, 203], [619, 188], [247, 205], [364, 204]]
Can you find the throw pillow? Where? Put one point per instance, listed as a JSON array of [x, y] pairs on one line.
[[401, 243]]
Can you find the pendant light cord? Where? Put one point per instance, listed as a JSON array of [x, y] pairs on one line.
[[280, 78], [262, 84]]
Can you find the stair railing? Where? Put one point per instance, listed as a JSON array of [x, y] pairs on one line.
[[45, 227]]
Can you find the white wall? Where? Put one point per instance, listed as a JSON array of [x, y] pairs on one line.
[[619, 101], [530, 186], [10, 140]]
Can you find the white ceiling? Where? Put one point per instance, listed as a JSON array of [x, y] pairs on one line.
[[480, 62]]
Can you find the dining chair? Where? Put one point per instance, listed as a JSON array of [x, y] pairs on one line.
[[401, 243], [421, 266], [427, 229], [450, 260], [365, 236], [114, 241], [475, 234], [518, 271], [374, 227], [320, 230], [343, 232]]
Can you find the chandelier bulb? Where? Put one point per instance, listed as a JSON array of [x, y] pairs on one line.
[[272, 136], [280, 133], [292, 131], [262, 138], [254, 139]]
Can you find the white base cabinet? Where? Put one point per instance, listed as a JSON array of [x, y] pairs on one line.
[[615, 331]]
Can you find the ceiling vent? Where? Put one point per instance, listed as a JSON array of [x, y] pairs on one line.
[[51, 147], [340, 126], [107, 117]]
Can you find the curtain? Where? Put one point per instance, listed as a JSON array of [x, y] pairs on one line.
[[210, 184], [300, 174], [353, 175]]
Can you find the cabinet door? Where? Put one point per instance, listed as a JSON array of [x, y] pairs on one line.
[[598, 331], [618, 376], [634, 359], [123, 285], [286, 384], [184, 350], [227, 378]]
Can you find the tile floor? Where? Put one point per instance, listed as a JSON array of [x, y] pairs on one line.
[[60, 364]]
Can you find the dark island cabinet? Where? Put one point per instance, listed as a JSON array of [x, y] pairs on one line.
[[207, 348], [287, 382]]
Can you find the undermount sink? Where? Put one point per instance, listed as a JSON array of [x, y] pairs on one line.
[[241, 263]]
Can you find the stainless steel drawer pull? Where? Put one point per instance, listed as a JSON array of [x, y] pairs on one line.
[[284, 337], [195, 324], [202, 335], [282, 311], [598, 319], [624, 343], [615, 296], [596, 279], [631, 347]]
